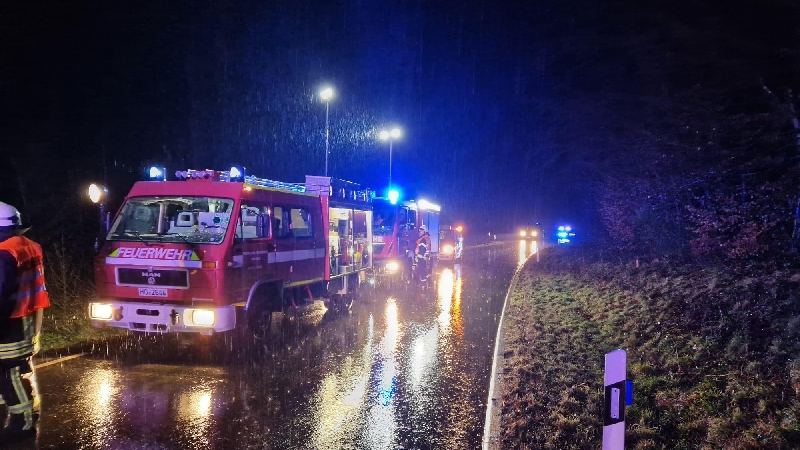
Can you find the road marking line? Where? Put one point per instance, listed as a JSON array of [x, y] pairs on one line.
[[59, 360], [487, 427]]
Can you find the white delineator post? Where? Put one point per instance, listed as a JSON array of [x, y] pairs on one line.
[[615, 399]]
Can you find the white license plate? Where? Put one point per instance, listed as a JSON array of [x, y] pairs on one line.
[[152, 292]]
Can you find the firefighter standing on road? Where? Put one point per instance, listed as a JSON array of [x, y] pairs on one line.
[[421, 249], [424, 240], [23, 298]]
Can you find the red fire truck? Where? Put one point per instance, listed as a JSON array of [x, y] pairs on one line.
[[219, 248], [396, 229]]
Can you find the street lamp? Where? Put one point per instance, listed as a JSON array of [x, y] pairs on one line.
[[390, 135], [97, 194], [326, 95]]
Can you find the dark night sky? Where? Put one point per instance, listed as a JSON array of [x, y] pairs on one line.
[[507, 107]]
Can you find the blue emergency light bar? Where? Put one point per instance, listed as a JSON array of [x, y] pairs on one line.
[[157, 173], [394, 196], [236, 174]]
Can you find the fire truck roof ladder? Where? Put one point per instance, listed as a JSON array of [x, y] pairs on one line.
[[326, 186], [337, 188], [225, 175], [293, 187]]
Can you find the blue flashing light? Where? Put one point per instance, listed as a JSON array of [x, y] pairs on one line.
[[236, 174], [561, 228], [394, 196], [157, 173]]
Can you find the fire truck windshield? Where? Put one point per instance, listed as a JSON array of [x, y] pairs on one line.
[[383, 217], [193, 220]]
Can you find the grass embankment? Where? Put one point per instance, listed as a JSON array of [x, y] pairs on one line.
[[66, 322], [713, 354]]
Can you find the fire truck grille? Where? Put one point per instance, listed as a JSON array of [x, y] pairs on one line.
[[156, 277], [378, 248]]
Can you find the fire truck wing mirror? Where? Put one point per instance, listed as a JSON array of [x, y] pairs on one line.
[[262, 226]]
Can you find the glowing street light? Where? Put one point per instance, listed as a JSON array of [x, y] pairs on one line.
[[97, 194], [326, 95], [390, 135]]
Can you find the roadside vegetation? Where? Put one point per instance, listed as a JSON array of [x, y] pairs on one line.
[[712, 351], [71, 286]]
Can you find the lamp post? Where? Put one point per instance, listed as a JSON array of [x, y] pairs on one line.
[[97, 194], [326, 95], [390, 135]]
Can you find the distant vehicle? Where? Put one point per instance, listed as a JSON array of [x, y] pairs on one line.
[[531, 232], [451, 244]]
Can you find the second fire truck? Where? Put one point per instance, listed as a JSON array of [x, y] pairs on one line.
[[396, 230]]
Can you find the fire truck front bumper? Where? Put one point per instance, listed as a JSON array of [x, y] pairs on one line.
[[162, 318]]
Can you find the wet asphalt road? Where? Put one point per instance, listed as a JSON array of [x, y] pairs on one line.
[[406, 368]]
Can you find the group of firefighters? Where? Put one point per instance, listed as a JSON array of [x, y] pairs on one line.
[[23, 297]]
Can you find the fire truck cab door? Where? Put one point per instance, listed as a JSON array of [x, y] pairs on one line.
[[253, 248], [258, 250], [407, 234]]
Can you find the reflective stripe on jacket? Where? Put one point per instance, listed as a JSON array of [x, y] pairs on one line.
[[426, 239], [20, 349], [31, 293]]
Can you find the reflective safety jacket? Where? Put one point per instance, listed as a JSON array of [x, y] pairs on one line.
[[425, 240], [21, 297]]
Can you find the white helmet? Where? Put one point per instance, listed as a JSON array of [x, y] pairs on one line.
[[10, 217], [423, 228]]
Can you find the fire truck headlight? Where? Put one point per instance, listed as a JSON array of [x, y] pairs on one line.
[[447, 249], [523, 233], [392, 266], [533, 234], [101, 311], [203, 317]]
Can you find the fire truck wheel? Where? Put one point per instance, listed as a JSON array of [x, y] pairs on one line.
[[341, 302], [347, 301], [259, 321]]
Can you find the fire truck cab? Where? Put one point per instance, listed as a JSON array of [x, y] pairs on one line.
[[396, 229], [220, 248]]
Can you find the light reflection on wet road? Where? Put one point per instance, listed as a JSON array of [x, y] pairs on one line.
[[405, 369]]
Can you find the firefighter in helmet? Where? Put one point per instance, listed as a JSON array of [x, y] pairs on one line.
[[424, 241], [421, 249], [23, 298]]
